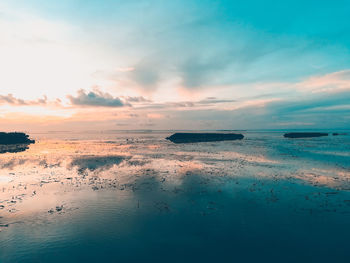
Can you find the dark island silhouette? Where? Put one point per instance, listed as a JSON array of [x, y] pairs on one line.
[[304, 134], [7, 138], [337, 134], [203, 137]]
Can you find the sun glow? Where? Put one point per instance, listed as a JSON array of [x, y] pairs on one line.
[[40, 57]]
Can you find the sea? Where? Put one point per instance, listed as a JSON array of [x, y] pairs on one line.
[[133, 196]]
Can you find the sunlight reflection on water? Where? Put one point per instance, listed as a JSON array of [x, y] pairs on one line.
[[139, 191]]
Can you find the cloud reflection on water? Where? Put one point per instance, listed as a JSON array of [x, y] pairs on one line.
[[13, 148], [49, 174], [93, 163]]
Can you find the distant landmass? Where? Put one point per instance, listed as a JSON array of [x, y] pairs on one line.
[[203, 137], [337, 134], [304, 134], [7, 138]]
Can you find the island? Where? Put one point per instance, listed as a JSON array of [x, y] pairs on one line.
[[304, 134], [203, 137], [7, 138]]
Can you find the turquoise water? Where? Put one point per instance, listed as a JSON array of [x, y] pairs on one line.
[[135, 197]]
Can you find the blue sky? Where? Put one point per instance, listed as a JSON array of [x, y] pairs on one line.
[[175, 64]]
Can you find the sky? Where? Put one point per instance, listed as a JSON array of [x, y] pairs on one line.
[[180, 64]]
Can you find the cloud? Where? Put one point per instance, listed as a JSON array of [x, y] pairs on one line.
[[136, 99], [334, 81], [208, 102], [96, 98], [213, 100], [196, 72], [146, 74], [309, 110], [322, 103], [10, 99]]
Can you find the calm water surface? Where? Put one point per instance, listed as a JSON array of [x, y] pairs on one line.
[[135, 197]]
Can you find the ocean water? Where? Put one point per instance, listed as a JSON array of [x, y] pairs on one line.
[[136, 197]]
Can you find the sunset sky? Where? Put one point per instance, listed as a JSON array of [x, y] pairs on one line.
[[181, 64]]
